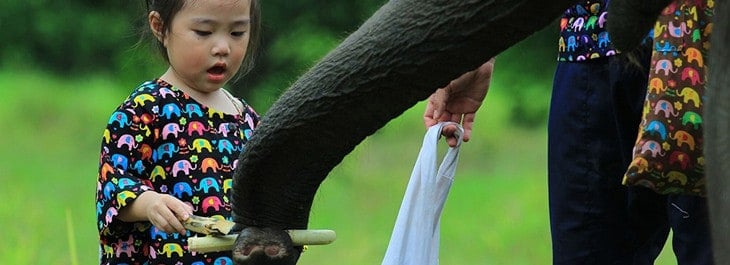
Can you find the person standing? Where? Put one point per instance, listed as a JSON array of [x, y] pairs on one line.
[[594, 115], [169, 150], [593, 121], [668, 158]]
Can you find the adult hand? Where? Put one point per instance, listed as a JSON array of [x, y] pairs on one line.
[[459, 101]]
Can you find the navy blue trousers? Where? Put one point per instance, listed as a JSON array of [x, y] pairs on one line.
[[593, 123]]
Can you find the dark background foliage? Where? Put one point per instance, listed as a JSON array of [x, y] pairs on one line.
[[83, 37]]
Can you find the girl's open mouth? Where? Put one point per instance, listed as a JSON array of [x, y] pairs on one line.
[[216, 73]]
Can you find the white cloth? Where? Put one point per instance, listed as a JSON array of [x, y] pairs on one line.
[[415, 238]]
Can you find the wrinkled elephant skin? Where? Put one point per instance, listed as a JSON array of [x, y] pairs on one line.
[[397, 58], [717, 134], [637, 18]]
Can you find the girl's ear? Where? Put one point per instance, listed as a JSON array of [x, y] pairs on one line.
[[156, 23]]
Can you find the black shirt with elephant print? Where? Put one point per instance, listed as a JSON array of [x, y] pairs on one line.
[[583, 34], [161, 139]]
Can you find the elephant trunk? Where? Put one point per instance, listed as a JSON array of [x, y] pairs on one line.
[[637, 17], [717, 139], [396, 58]]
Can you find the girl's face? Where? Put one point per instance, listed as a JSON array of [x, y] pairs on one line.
[[206, 42]]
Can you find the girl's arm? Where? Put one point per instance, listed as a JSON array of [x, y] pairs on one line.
[[124, 185]]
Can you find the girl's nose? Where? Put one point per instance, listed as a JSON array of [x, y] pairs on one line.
[[221, 48]]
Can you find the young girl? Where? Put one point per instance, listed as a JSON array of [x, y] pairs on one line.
[[170, 149]]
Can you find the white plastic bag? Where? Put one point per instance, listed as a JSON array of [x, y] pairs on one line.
[[415, 238]]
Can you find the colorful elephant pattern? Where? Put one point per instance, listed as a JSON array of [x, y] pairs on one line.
[[668, 152], [161, 139], [583, 34]]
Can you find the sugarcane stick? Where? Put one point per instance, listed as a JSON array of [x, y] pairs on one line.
[[224, 243]]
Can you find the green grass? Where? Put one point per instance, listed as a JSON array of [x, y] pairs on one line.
[[496, 212], [50, 148]]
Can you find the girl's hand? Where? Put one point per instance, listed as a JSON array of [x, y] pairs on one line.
[[162, 210], [166, 212]]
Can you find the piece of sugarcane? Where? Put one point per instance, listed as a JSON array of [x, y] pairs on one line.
[[223, 243], [219, 240]]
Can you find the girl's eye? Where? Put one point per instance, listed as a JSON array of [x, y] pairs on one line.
[[202, 33], [238, 33]]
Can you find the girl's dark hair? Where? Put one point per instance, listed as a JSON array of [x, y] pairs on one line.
[[169, 8]]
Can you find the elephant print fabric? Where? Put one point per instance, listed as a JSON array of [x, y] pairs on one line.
[[583, 34], [161, 139], [668, 152]]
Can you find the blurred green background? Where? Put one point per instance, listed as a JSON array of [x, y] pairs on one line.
[[64, 66]]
